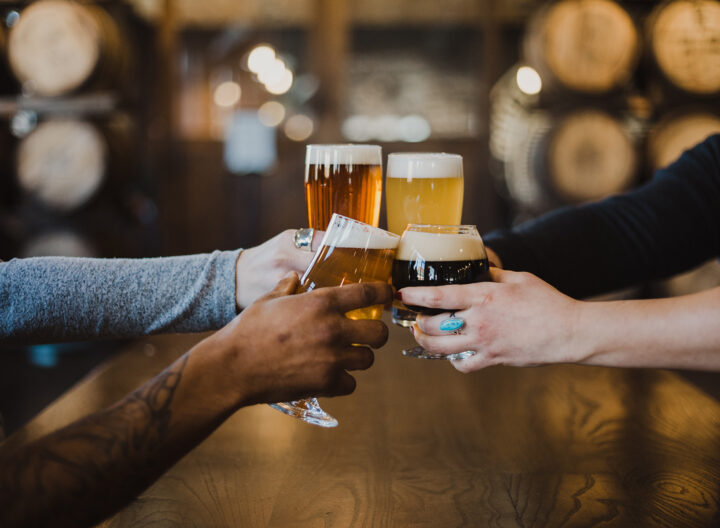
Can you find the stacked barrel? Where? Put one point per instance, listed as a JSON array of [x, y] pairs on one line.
[[605, 94], [68, 119]]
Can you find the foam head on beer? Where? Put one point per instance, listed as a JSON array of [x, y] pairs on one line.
[[343, 179], [348, 154], [424, 165], [423, 188], [439, 255], [440, 247]]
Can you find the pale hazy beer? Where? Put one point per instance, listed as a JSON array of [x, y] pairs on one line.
[[343, 179], [352, 252], [437, 255], [423, 188]]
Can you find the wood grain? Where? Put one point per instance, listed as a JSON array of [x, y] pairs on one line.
[[421, 445]]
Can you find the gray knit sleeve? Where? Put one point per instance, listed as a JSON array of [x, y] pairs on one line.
[[50, 299]]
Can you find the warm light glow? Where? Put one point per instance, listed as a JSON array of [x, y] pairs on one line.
[[357, 128], [528, 80], [227, 94], [282, 85], [272, 72], [299, 127], [414, 129], [271, 113], [260, 57]]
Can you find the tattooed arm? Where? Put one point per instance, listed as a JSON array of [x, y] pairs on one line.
[[83, 473]]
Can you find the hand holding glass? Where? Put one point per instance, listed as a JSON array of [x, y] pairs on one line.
[[350, 252], [436, 255]]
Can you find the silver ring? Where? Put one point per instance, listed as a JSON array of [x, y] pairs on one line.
[[303, 238]]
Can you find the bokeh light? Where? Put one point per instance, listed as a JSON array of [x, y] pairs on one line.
[[227, 94], [271, 114], [260, 58], [299, 127], [528, 80]]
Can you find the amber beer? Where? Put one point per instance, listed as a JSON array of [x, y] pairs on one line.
[[343, 179], [352, 252], [423, 188]]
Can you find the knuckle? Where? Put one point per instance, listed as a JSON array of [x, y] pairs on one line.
[[367, 293], [328, 330]]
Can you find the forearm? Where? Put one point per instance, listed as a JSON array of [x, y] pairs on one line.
[[90, 469], [63, 299], [681, 332], [669, 225]]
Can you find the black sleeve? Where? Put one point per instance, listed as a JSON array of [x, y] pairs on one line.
[[669, 225]]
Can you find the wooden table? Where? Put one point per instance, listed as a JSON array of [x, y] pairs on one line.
[[421, 445]]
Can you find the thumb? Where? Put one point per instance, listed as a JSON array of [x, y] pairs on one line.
[[287, 286]]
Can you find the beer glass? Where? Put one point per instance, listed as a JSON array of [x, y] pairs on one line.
[[435, 255], [350, 252], [343, 179], [422, 188]]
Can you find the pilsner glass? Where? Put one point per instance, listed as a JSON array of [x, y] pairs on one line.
[[422, 188], [435, 255], [343, 179], [350, 252]]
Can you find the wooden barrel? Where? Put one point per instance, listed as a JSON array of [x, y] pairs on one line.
[[58, 46], [677, 133], [590, 156], [589, 46], [684, 38], [62, 163]]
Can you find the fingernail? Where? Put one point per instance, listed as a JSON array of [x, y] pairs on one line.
[[398, 296], [412, 330]]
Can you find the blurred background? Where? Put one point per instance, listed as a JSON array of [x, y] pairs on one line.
[[158, 127]]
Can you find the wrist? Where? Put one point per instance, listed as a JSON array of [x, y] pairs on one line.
[[587, 340], [217, 381]]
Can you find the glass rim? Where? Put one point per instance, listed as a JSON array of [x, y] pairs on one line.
[[448, 229], [347, 219], [449, 155], [342, 145]]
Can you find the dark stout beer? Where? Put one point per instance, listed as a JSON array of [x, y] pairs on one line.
[[450, 255]]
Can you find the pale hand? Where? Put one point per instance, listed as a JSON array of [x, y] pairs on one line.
[[259, 269], [517, 319]]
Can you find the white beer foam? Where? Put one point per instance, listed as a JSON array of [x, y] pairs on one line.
[[437, 247], [343, 154], [421, 165]]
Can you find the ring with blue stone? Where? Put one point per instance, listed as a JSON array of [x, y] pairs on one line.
[[452, 324]]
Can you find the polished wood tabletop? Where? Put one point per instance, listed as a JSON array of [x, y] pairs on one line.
[[422, 445]]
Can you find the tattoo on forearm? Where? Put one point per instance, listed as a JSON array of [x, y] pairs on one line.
[[88, 469]]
